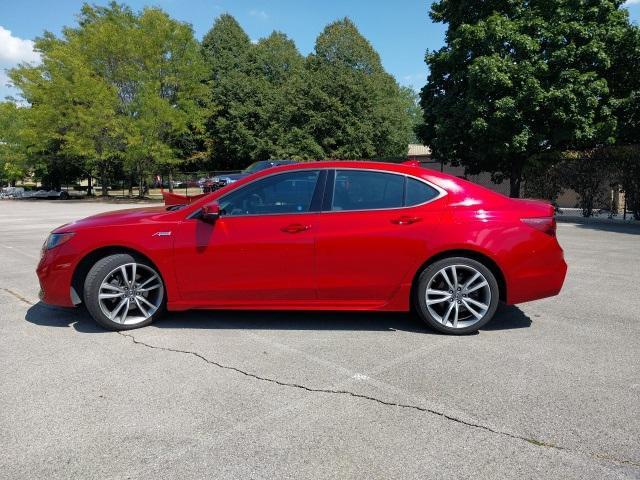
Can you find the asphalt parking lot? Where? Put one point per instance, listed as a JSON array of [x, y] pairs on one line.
[[550, 389]]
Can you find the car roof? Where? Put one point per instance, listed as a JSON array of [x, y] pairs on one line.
[[453, 185], [361, 164]]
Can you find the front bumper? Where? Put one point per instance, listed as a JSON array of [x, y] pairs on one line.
[[55, 274]]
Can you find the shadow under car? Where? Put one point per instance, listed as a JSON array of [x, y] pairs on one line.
[[507, 317]]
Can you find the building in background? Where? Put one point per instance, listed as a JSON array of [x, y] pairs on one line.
[[422, 154]]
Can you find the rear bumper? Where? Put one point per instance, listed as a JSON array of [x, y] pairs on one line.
[[541, 275]]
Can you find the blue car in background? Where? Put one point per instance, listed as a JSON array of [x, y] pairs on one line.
[[220, 181]]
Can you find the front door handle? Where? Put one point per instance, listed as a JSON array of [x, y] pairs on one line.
[[295, 228], [405, 220]]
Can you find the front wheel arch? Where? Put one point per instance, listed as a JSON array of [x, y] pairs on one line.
[[83, 267]]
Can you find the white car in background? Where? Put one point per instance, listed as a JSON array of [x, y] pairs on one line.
[[12, 192], [19, 192]]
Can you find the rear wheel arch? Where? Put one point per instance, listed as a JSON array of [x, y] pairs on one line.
[[472, 254], [89, 260]]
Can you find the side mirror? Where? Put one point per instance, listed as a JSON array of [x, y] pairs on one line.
[[210, 212]]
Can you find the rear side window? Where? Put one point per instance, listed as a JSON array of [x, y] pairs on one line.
[[418, 192], [367, 190]]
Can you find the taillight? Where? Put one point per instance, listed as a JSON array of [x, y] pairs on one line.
[[544, 224]]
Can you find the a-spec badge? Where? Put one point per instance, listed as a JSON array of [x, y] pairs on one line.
[[161, 234]]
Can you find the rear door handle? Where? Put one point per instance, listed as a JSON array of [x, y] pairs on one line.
[[295, 228], [405, 220]]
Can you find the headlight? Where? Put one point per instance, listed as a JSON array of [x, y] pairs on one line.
[[57, 239]]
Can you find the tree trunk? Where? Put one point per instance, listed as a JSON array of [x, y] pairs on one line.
[[635, 205], [104, 180], [170, 182], [587, 205], [89, 186], [515, 179]]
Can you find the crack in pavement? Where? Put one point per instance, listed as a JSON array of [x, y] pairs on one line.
[[18, 296], [531, 441]]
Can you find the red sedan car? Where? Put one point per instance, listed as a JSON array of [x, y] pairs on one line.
[[313, 236]]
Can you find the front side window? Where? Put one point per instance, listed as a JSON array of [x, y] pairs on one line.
[[367, 190], [290, 192]]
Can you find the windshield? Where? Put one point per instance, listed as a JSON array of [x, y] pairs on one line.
[[255, 167]]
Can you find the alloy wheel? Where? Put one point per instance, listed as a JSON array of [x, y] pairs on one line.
[[458, 296], [130, 293]]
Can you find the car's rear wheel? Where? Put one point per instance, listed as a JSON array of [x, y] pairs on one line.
[[122, 292], [457, 295]]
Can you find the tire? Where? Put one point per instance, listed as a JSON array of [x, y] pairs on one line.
[[108, 287], [457, 305]]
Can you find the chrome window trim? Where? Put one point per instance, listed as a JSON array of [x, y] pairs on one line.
[[441, 193]]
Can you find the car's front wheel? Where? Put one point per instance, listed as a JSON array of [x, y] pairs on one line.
[[122, 292], [457, 295]]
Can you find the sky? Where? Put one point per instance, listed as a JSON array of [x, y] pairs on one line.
[[400, 30]]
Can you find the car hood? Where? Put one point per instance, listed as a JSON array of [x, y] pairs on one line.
[[118, 217]]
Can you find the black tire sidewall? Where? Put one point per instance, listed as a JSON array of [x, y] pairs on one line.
[[94, 279], [431, 270]]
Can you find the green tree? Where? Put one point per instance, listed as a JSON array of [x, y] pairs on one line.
[[518, 78], [120, 87], [12, 151], [259, 93], [225, 47], [414, 111], [624, 82], [627, 161], [281, 82], [357, 110], [270, 102], [589, 174], [170, 94], [231, 117], [624, 79], [74, 103]]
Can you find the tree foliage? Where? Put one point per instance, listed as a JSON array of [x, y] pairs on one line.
[[12, 154], [518, 78], [226, 52], [358, 110], [120, 88], [258, 94], [270, 102], [126, 93]]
